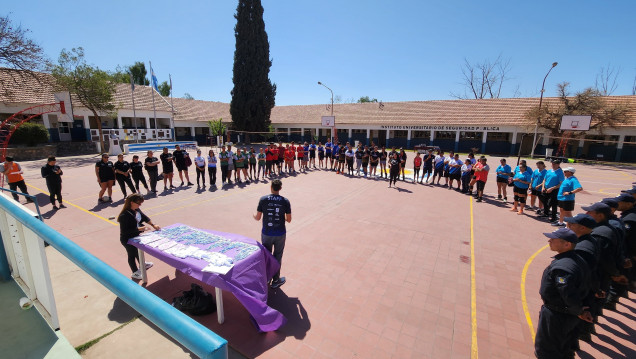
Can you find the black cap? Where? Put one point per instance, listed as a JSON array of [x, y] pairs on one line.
[[630, 191], [564, 234], [599, 207], [556, 161], [612, 202], [583, 219], [8, 159], [625, 197]]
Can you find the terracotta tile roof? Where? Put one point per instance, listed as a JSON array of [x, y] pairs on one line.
[[203, 111], [38, 89], [504, 111]]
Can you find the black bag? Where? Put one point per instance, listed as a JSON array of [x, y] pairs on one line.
[[195, 301]]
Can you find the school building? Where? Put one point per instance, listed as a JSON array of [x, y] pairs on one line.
[[491, 126]]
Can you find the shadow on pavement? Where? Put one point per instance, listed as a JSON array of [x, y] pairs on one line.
[[121, 312]]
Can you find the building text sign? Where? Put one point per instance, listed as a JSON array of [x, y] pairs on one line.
[[443, 128]]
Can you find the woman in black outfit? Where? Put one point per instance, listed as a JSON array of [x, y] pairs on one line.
[[402, 162], [394, 162], [130, 225]]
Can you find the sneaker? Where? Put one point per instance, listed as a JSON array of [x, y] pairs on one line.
[[556, 224], [499, 196], [136, 275], [55, 208], [62, 205], [149, 265], [478, 199], [171, 186], [505, 199], [539, 211], [278, 283], [190, 184]]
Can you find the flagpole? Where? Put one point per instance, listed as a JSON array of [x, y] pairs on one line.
[[132, 94], [171, 105], [152, 88]]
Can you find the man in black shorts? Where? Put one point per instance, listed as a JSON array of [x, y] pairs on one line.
[[168, 169], [374, 160], [123, 175], [179, 157], [275, 210], [428, 166]]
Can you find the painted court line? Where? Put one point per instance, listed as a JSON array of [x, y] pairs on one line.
[[76, 206], [524, 301], [473, 290]]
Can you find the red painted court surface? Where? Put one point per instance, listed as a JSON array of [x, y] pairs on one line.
[[372, 272]]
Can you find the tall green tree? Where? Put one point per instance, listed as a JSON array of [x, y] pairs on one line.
[[587, 102], [253, 95], [164, 89], [94, 88], [138, 70], [365, 99]]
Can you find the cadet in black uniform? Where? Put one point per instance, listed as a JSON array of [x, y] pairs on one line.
[[53, 174], [628, 215], [563, 287], [588, 248], [137, 169], [105, 172], [607, 240], [122, 174], [168, 169], [151, 164], [624, 202]]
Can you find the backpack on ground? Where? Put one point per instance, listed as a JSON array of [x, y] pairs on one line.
[[195, 301]]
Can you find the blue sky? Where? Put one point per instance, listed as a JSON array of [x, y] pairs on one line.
[[390, 50]]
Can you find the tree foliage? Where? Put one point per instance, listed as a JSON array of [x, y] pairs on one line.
[[217, 127], [164, 89], [19, 53], [587, 102], [253, 95], [365, 99], [94, 88], [30, 134], [187, 96], [484, 79], [138, 70]]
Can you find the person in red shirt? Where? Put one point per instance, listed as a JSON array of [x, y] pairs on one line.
[[481, 176], [417, 163], [269, 159], [274, 158], [289, 159], [281, 158], [300, 155]]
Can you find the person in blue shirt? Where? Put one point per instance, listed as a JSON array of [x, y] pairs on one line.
[[334, 158], [569, 187], [521, 181], [528, 169], [328, 147], [503, 173], [455, 171], [537, 178], [550, 190], [321, 155]]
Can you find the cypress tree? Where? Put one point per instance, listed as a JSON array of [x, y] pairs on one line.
[[253, 93]]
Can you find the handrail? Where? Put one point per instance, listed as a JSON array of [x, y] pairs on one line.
[[194, 336]]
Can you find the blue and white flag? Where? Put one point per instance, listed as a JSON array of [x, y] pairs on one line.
[[154, 78]]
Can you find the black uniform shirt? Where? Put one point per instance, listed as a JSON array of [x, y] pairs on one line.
[[607, 241], [166, 162], [49, 172], [565, 283], [106, 172], [179, 157], [151, 160], [137, 168], [123, 166]]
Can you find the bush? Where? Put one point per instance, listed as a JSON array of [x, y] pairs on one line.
[[30, 134]]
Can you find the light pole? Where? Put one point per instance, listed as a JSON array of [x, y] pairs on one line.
[[333, 128], [536, 126]]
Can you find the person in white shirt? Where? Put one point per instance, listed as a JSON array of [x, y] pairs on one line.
[[466, 174], [439, 166], [455, 171], [199, 162], [212, 167]]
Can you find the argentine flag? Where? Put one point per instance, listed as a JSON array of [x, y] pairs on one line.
[[154, 79]]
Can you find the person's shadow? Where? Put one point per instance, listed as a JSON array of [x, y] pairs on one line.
[[298, 323]]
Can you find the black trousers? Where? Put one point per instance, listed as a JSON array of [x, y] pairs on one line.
[[224, 174], [152, 178], [465, 182], [551, 203], [212, 174], [123, 181], [556, 334], [395, 174], [133, 255], [139, 178], [200, 173], [14, 187], [55, 189]]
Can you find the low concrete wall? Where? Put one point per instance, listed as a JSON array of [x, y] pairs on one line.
[[32, 153], [76, 148]]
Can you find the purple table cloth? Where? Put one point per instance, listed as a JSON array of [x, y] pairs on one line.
[[247, 279]]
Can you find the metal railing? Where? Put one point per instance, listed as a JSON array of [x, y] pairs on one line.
[[191, 334]]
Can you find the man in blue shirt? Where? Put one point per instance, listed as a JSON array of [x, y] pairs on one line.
[[329, 160], [275, 210], [455, 171], [550, 190], [537, 179], [503, 173], [566, 194]]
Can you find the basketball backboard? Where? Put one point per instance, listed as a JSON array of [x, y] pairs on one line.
[[328, 121], [576, 123]]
